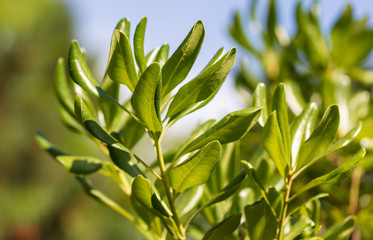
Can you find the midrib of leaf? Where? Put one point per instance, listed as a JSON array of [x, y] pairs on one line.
[[178, 64]]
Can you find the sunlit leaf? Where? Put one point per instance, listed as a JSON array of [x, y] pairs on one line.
[[197, 169], [260, 100], [138, 44], [144, 98], [179, 64]]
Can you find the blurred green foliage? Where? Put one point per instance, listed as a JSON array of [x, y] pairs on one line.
[[323, 67], [34, 33]]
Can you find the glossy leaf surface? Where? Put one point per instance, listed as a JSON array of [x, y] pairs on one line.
[[224, 228]]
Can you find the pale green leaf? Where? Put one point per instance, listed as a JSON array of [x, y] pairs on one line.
[[337, 174], [301, 128], [48, 146], [279, 105], [197, 169], [273, 144], [124, 26], [121, 66], [341, 231], [144, 98], [321, 137], [162, 54], [79, 70], [62, 88], [224, 228], [178, 66], [138, 44], [203, 85], [229, 129], [260, 100]]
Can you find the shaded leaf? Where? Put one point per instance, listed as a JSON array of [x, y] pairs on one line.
[[124, 161], [62, 88], [224, 228], [48, 146], [260, 222], [341, 231], [197, 169]]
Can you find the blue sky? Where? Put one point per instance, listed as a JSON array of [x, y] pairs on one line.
[[169, 21]]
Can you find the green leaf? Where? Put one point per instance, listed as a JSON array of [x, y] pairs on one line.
[[197, 169], [138, 44], [69, 121], [275, 201], [162, 54], [79, 70], [218, 55], [95, 129], [102, 198], [143, 192], [224, 228], [229, 129], [178, 66], [81, 164], [189, 200], [272, 22], [62, 88], [238, 34], [203, 85], [273, 144], [260, 100], [124, 26], [260, 221], [321, 137], [298, 228], [279, 105], [121, 66], [48, 146], [301, 128], [132, 133], [337, 175], [144, 98], [124, 161], [341, 231], [229, 189]]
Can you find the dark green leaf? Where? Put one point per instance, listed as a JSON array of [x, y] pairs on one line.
[[178, 66], [273, 144], [144, 98], [124, 161], [228, 190], [45, 144], [81, 164], [197, 169], [229, 129], [224, 228], [260, 222], [132, 133], [138, 44]]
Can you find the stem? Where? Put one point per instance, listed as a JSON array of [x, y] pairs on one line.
[[353, 207], [288, 184], [170, 198]]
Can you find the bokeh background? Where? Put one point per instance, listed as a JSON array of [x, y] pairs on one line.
[[38, 198]]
